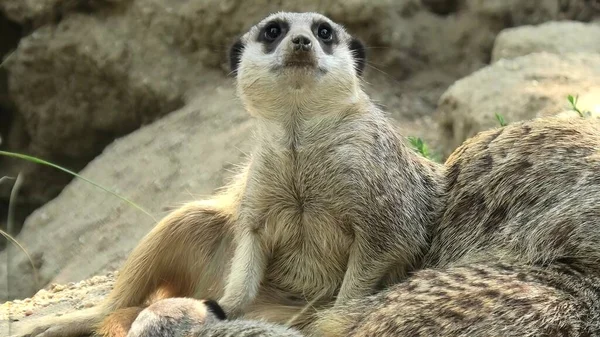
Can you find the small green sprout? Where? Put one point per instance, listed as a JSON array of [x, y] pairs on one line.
[[501, 119], [419, 145], [573, 101]]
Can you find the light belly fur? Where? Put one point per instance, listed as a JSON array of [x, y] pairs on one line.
[[309, 252]]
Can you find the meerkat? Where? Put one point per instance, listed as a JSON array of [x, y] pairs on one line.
[[517, 248], [331, 206], [175, 317], [490, 299], [528, 192], [188, 317], [475, 299]]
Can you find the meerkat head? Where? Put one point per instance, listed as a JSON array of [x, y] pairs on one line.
[[301, 61]]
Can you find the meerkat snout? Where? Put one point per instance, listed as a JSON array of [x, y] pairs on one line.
[[301, 43]]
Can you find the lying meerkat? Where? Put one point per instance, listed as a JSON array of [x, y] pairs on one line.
[[473, 300], [332, 205], [187, 317], [516, 251]]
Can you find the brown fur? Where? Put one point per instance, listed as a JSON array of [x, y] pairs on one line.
[[119, 322], [528, 192]]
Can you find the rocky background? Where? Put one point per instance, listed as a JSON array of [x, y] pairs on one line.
[[136, 96]]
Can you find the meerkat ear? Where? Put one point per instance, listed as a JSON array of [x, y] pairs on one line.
[[360, 55], [235, 54]]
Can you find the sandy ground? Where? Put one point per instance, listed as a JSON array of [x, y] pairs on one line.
[[56, 299]]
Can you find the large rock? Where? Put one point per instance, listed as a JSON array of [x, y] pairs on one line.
[[532, 12], [521, 88], [34, 13], [553, 37]]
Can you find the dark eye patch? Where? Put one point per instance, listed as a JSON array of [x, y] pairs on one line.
[[268, 36], [327, 41]]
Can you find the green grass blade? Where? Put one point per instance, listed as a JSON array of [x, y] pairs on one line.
[[43, 162], [500, 119], [10, 225]]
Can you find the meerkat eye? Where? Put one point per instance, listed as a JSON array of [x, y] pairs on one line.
[[272, 31], [325, 32]]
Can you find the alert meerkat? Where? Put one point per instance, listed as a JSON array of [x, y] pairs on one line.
[[332, 205]]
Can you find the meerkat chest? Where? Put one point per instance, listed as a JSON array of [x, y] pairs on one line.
[[302, 203]]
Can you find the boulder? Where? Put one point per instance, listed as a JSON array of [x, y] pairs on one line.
[[532, 12], [521, 88], [554, 37]]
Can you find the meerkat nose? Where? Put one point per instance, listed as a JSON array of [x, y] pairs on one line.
[[301, 42]]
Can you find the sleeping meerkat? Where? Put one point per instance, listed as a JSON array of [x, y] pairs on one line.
[[473, 300], [331, 206]]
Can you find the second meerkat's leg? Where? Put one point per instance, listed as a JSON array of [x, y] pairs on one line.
[[246, 273]]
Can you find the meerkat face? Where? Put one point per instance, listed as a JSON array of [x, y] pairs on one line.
[[296, 59]]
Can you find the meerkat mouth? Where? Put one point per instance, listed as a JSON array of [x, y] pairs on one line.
[[300, 62], [295, 65]]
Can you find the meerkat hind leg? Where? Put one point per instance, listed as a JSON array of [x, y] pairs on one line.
[[182, 251], [185, 255]]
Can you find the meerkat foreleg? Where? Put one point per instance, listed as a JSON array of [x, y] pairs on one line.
[[366, 268], [246, 273]]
